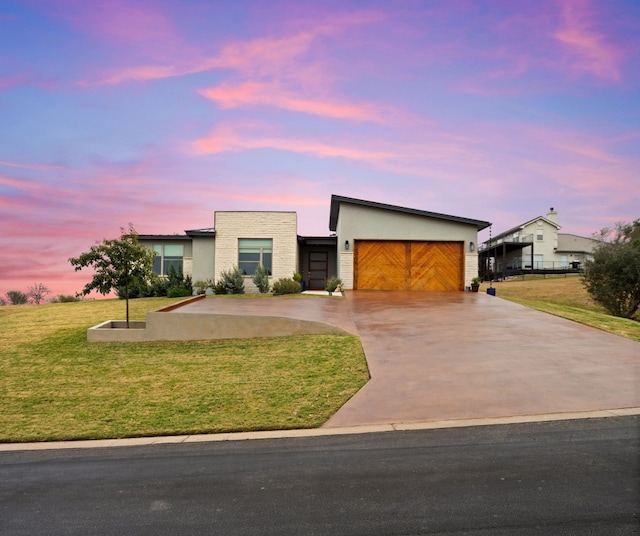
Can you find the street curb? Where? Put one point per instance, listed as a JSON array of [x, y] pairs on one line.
[[318, 432]]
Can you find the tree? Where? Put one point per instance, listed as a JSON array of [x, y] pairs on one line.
[[612, 278], [119, 264], [37, 292], [16, 297]]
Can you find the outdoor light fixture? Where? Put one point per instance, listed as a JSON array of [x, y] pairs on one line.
[[346, 245], [472, 246]]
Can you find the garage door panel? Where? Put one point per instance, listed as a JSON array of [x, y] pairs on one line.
[[436, 266], [380, 265], [398, 265]]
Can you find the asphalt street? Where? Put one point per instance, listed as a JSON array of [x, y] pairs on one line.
[[561, 478]]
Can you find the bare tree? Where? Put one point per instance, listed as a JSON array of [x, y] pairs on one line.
[[37, 292]]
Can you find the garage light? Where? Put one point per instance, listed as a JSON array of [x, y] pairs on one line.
[[346, 245], [472, 246]]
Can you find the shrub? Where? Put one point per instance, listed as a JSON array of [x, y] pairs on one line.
[[64, 298], [261, 279], [178, 292], [135, 290], [16, 297], [233, 281], [332, 284], [219, 287], [286, 286], [201, 287], [158, 286]]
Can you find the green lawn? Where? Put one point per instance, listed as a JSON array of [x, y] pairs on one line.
[[54, 385]]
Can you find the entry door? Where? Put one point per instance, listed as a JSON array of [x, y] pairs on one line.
[[318, 269]]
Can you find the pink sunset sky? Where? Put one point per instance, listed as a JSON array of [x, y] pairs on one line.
[[159, 112]]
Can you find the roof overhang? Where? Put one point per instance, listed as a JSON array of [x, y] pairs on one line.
[[503, 248], [317, 240], [163, 237], [337, 200]]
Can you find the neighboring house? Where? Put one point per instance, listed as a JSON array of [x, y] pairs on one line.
[[373, 246], [535, 245]]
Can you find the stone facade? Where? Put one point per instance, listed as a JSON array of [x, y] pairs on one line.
[[281, 227]]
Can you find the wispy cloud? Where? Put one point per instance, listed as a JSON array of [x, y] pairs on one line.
[[271, 94], [589, 49], [234, 138], [35, 167]]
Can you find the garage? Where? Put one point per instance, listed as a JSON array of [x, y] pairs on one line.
[[408, 265]]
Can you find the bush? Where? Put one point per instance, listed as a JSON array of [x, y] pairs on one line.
[[158, 287], [261, 279], [136, 290], [233, 281], [64, 298], [178, 292], [332, 284], [219, 287], [286, 286], [200, 287], [16, 297]]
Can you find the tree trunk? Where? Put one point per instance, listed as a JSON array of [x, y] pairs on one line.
[[632, 310], [126, 298]]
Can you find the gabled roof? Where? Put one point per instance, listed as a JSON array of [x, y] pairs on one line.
[[337, 200], [523, 225]]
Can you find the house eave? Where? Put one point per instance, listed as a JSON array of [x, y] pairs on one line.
[[337, 200]]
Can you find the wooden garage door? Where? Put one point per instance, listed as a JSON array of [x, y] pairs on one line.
[[399, 265]]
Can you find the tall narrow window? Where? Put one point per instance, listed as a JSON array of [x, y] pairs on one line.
[[173, 257], [252, 252]]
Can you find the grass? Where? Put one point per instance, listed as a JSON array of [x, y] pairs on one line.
[[567, 298], [54, 385]]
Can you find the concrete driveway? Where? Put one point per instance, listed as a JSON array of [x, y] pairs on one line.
[[440, 356]]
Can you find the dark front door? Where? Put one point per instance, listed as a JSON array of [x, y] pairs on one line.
[[318, 270]]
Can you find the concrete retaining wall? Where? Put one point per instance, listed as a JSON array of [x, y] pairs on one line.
[[168, 325]]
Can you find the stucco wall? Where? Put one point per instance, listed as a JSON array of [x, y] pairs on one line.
[[203, 258], [546, 247], [357, 222], [281, 227]]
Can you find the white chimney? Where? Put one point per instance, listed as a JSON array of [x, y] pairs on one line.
[[552, 215]]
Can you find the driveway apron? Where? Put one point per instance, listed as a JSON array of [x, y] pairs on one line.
[[440, 356]]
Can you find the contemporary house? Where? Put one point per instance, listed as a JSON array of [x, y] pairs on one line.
[[535, 245], [372, 246]]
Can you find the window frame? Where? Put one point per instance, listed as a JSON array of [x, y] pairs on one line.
[[263, 247], [162, 262]]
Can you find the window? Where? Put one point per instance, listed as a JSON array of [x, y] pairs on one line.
[[252, 252], [168, 255], [539, 235]]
